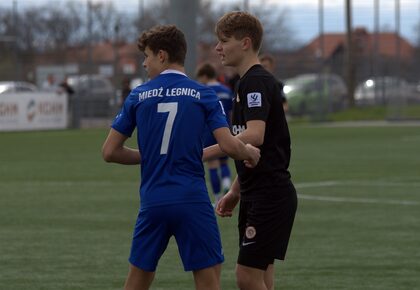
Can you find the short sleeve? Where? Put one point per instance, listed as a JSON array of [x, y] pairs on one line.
[[216, 117], [125, 121], [255, 98]]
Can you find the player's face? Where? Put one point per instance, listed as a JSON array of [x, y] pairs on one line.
[[152, 63], [229, 50]]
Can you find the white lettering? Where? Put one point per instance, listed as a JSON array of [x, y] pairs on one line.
[[237, 129], [150, 94], [187, 92]]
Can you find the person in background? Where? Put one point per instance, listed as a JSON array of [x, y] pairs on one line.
[[65, 87], [49, 84], [268, 62], [125, 89], [206, 74]]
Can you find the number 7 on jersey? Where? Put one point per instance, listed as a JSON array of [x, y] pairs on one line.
[[172, 109]]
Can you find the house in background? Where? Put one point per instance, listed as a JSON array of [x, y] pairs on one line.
[[374, 54]]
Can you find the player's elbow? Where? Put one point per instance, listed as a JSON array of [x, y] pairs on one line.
[[107, 154]]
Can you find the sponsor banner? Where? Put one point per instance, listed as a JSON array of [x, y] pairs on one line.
[[33, 111]]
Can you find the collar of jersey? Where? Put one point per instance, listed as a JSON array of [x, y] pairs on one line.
[[172, 71]]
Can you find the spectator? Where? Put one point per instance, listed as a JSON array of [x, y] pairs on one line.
[[49, 84]]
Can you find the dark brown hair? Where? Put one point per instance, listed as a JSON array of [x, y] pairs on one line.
[[239, 25], [165, 37], [206, 69]]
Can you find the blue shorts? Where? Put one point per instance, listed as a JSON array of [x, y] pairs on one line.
[[194, 227]]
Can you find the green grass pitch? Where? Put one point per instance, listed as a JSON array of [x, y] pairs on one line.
[[66, 217]]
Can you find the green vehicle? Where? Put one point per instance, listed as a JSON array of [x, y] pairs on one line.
[[312, 94]]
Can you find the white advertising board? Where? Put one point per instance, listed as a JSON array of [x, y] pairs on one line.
[[33, 111]]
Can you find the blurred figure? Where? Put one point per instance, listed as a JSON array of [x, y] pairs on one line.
[[268, 62], [65, 87], [206, 74], [49, 84], [125, 89]]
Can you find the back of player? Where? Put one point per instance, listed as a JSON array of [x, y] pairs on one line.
[[171, 112]]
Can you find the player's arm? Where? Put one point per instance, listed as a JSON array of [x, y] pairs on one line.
[[229, 201], [253, 134], [114, 150], [235, 148]]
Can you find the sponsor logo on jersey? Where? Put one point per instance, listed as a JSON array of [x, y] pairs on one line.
[[254, 100], [237, 129]]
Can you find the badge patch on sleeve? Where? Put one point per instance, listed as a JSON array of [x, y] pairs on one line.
[[254, 100]]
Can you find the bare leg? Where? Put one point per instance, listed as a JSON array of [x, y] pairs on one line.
[[208, 278], [269, 277], [138, 279], [248, 278]]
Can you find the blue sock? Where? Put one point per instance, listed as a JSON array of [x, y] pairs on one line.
[[215, 180], [225, 170]]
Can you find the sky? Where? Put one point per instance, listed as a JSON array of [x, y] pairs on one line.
[[302, 15]]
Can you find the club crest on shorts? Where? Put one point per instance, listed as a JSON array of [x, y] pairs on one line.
[[250, 232]]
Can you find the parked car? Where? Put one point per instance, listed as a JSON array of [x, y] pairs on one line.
[[16, 87], [381, 90], [94, 94], [315, 93]]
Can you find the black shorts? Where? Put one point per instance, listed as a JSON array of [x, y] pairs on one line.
[[264, 229]]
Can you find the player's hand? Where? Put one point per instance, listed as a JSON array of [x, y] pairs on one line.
[[255, 155], [227, 204]]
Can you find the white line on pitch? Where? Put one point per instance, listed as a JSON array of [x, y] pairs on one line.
[[329, 183], [356, 200]]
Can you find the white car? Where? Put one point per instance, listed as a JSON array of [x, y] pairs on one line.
[[381, 90], [16, 87]]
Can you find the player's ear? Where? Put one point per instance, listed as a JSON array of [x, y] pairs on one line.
[[246, 43], [162, 55]]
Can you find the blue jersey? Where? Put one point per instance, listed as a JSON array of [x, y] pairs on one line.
[[225, 96], [171, 113]]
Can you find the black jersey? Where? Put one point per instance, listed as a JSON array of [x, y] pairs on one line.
[[258, 98]]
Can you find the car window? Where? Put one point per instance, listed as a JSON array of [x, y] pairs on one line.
[[23, 88]]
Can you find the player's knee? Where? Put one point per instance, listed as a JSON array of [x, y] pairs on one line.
[[242, 280]]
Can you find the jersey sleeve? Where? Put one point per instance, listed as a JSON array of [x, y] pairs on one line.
[[227, 102], [255, 98], [125, 121], [216, 117]]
